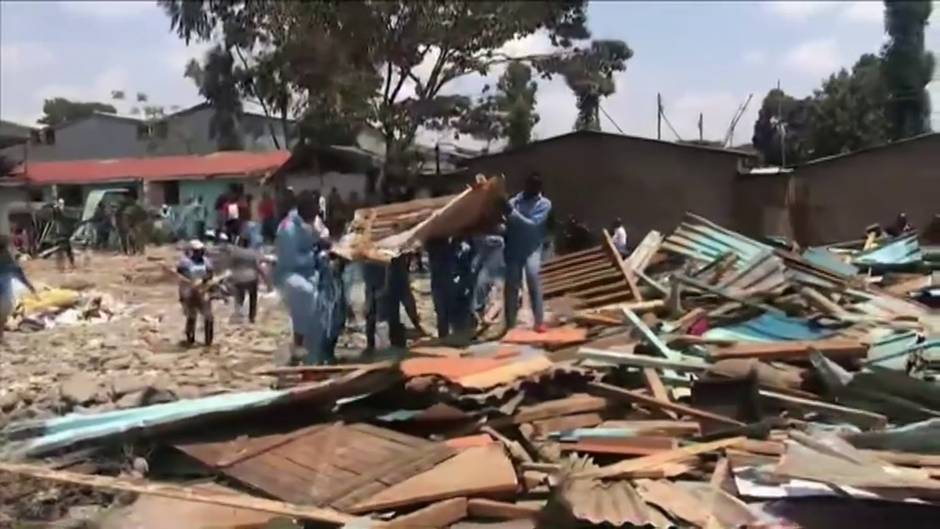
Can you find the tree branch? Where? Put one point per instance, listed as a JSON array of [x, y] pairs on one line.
[[264, 107]]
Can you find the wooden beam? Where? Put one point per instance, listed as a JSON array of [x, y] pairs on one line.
[[177, 492], [650, 462], [435, 516], [634, 397], [835, 349], [579, 403], [628, 273], [865, 419], [635, 360], [657, 388], [500, 510], [590, 267]]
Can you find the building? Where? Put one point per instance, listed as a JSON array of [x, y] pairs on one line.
[[158, 180], [834, 198], [102, 135], [649, 184]]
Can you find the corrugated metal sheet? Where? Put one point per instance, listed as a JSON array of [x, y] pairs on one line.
[[157, 168], [701, 239], [770, 328], [900, 252], [827, 260]]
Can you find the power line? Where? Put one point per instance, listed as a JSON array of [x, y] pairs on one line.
[[668, 124], [610, 118]]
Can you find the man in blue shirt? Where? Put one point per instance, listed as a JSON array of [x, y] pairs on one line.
[[296, 274], [526, 220]]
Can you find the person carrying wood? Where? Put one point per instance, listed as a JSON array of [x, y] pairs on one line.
[[195, 280], [526, 222]]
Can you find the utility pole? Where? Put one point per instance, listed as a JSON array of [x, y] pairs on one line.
[[659, 116], [700, 135], [781, 131]]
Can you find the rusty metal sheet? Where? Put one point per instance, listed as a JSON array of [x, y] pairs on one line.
[[336, 465]]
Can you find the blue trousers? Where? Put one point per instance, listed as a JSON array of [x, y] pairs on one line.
[[300, 293], [514, 272], [486, 266], [441, 263]]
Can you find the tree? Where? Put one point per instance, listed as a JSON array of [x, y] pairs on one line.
[[386, 63], [589, 73], [59, 110], [510, 113], [907, 67], [849, 109], [218, 81], [783, 115], [516, 99]]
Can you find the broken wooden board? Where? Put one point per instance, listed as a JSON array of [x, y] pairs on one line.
[[500, 510], [634, 397], [837, 349], [384, 232], [435, 516], [862, 418], [591, 278], [167, 490], [631, 466], [577, 403], [626, 446], [336, 465], [553, 336], [481, 471], [504, 374]]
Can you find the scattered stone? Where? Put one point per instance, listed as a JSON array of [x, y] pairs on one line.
[[9, 400], [80, 388], [130, 400], [130, 384]]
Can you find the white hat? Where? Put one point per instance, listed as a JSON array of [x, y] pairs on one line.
[[196, 244]]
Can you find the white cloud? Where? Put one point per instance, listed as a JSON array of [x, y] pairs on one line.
[[754, 58], [109, 9], [866, 12], [16, 57], [98, 90], [814, 57], [181, 54], [799, 10]]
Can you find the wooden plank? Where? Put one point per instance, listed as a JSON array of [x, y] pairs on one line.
[[567, 422], [627, 446], [650, 336], [641, 256], [476, 471], [606, 299], [906, 459], [660, 427], [838, 349], [643, 400], [507, 373], [596, 265], [628, 273], [554, 287], [657, 388], [630, 466], [435, 516], [865, 419], [578, 403], [167, 490], [635, 360], [500, 510]]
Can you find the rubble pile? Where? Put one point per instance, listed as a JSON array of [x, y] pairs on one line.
[[708, 380]]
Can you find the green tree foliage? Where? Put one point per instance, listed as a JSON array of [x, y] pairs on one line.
[[218, 82], [589, 73], [849, 110], [781, 114], [59, 110], [907, 67], [509, 113], [390, 64]]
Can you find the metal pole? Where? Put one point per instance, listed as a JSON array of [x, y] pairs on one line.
[[659, 116]]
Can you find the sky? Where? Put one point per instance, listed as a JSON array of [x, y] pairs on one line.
[[703, 57]]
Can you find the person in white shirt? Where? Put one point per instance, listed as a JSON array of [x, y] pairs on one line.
[[620, 237]]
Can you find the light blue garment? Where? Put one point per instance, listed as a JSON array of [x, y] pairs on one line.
[[514, 272], [296, 276], [487, 265], [526, 226], [296, 248], [332, 300], [525, 231]]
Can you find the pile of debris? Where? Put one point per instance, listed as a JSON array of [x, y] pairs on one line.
[[706, 381], [51, 307]]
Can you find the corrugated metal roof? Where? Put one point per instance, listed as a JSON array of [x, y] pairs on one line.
[[158, 168], [899, 252], [699, 238]]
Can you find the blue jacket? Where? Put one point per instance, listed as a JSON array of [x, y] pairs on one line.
[[296, 246], [526, 226]]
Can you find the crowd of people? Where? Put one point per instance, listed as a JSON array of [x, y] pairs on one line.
[[312, 283]]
